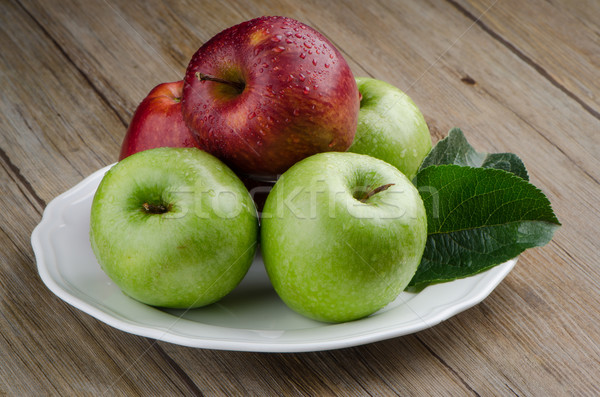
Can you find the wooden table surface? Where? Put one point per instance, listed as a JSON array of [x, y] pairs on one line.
[[517, 76]]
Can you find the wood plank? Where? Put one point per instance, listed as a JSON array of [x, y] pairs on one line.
[[154, 49], [492, 118], [432, 74], [68, 365], [509, 118], [395, 367], [112, 56], [496, 119], [559, 38], [47, 347], [529, 334], [105, 53], [222, 368], [57, 127], [481, 100], [586, 12]]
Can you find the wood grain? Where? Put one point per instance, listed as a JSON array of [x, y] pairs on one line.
[[515, 76], [559, 41]]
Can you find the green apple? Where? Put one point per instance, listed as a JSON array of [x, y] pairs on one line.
[[390, 127], [173, 227], [342, 234]]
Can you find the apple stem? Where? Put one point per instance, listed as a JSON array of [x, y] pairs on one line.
[[154, 208], [373, 192], [206, 77]]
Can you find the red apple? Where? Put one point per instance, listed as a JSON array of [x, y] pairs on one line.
[[158, 122], [269, 92]]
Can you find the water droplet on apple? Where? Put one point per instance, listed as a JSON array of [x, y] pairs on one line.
[[277, 38], [298, 35], [301, 77], [326, 65], [251, 116], [306, 90], [296, 112], [289, 41], [256, 51], [279, 49], [314, 62], [265, 65], [260, 70], [307, 44], [302, 55]]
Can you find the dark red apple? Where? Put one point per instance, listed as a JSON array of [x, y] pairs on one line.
[[269, 92], [158, 122]]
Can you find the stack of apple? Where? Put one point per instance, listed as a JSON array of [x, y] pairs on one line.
[[342, 230]]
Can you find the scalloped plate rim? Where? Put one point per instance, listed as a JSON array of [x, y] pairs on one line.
[[49, 265]]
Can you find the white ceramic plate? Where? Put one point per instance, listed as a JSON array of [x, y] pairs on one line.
[[251, 318]]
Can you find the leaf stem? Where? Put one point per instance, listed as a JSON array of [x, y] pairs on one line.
[[155, 208], [206, 77], [373, 192]]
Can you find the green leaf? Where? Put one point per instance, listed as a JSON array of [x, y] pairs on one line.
[[478, 218], [455, 149]]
